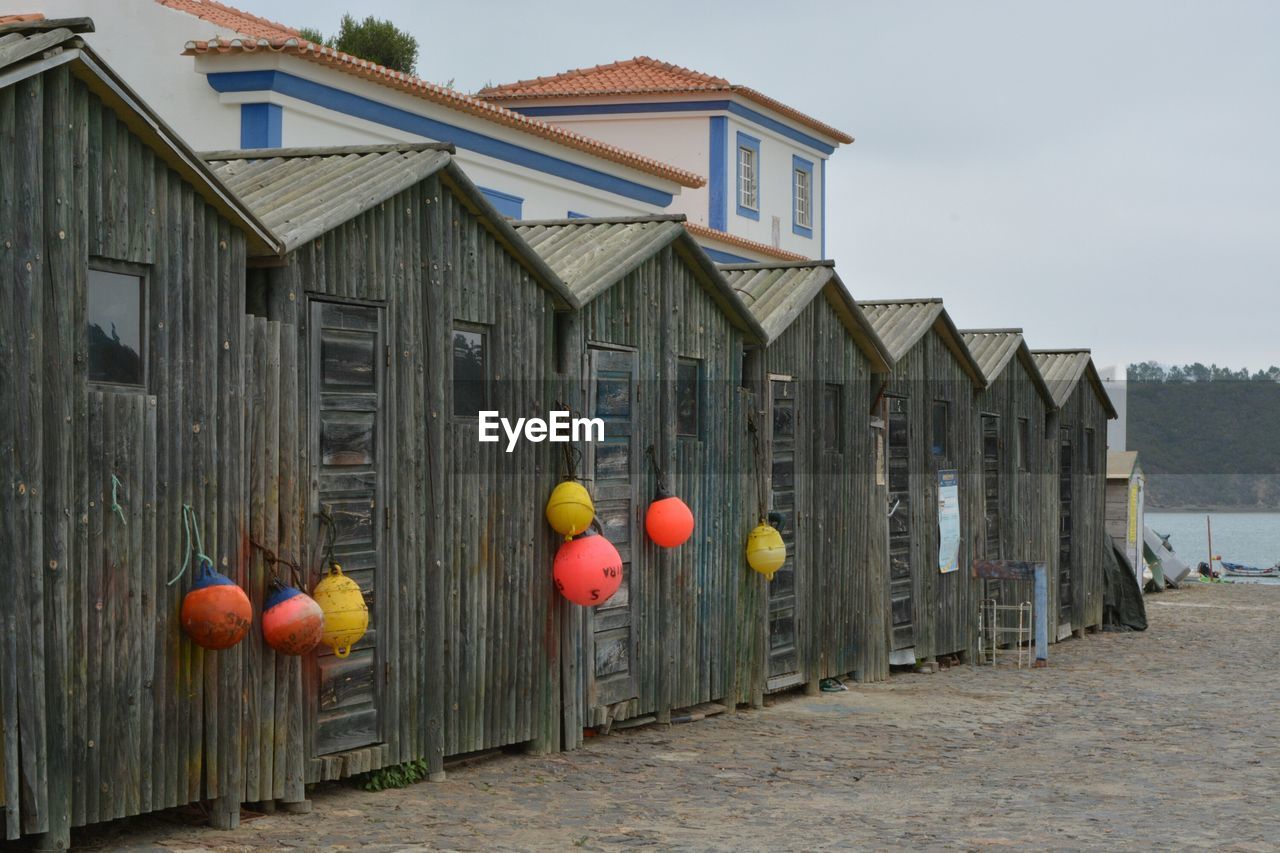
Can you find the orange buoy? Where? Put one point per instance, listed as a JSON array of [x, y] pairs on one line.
[[668, 521], [291, 620], [216, 613], [588, 570]]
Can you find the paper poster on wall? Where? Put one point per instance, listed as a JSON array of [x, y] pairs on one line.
[[948, 521]]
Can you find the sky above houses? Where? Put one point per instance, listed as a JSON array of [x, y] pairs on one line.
[[1102, 174]]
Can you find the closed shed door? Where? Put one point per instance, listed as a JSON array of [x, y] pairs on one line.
[[900, 589], [991, 499], [1066, 467], [613, 466], [346, 402], [784, 649]]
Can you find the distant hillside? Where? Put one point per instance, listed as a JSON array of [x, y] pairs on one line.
[[1208, 437]]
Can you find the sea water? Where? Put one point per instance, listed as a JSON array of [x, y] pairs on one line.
[[1250, 538]]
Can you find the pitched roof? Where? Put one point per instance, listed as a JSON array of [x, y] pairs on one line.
[[1062, 371], [21, 17], [644, 75], [303, 193], [33, 45], [261, 34], [592, 255], [901, 323], [778, 293], [700, 230], [1120, 464], [993, 349]]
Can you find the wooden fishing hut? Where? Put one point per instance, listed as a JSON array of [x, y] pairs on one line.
[[927, 407], [1009, 421], [823, 613], [1126, 505], [655, 351], [407, 305], [122, 286], [1077, 439]]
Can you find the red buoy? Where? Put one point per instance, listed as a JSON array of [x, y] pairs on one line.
[[588, 570], [668, 521], [216, 613], [292, 621]]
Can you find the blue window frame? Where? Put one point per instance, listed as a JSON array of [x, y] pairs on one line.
[[573, 214], [801, 196], [748, 158]]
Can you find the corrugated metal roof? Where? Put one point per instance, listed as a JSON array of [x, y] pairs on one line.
[[301, 193], [1120, 464], [592, 255], [32, 45], [993, 349], [901, 323], [1062, 371], [778, 293]]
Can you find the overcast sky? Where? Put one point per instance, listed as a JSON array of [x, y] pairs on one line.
[[1103, 174]]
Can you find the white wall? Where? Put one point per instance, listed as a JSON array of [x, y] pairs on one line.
[[775, 179]]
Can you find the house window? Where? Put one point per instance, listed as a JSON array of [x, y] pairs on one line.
[[833, 418], [688, 397], [748, 176], [941, 429], [801, 197], [1024, 444], [470, 372], [116, 325], [1090, 453]]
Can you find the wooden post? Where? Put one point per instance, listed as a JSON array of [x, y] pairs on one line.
[[1208, 523]]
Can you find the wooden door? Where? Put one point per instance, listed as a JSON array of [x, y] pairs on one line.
[[991, 499], [1066, 466], [347, 355], [900, 574], [784, 619], [613, 466]]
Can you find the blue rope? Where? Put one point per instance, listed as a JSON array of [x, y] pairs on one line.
[[189, 521]]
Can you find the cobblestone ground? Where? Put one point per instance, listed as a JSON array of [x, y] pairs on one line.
[[1162, 739]]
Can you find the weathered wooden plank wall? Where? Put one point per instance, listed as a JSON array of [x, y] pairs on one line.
[[114, 709], [1025, 499], [944, 606]]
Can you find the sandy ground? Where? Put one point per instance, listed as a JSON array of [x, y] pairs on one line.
[[1161, 739]]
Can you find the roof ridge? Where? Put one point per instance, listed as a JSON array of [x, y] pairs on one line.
[[1008, 331], [1075, 351], [325, 55], [601, 220], [325, 151], [777, 265], [927, 301]]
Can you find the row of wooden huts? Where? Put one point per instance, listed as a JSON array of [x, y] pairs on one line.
[[314, 331]]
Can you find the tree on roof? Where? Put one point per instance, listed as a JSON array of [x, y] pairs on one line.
[[377, 41]]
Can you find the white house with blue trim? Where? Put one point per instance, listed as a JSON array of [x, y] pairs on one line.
[[225, 79], [765, 162]]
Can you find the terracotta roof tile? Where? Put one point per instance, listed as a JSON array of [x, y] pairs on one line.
[[21, 17], [643, 75], [264, 34], [699, 230]]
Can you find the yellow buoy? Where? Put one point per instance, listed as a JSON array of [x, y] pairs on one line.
[[346, 616], [766, 552], [569, 509]]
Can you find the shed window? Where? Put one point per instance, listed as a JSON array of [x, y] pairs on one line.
[[688, 397], [1090, 452], [470, 372], [115, 317], [941, 429], [1024, 444], [833, 418]]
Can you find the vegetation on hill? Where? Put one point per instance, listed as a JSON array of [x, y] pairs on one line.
[[1207, 436]]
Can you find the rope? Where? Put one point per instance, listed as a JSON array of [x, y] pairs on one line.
[[762, 497], [115, 503], [189, 521], [270, 557], [572, 453], [657, 470]]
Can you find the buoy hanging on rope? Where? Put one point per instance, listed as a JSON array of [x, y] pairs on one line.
[[570, 509], [766, 552], [216, 613], [588, 570], [346, 616], [292, 621], [668, 520]]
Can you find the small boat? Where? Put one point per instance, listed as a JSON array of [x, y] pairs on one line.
[[1236, 570]]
